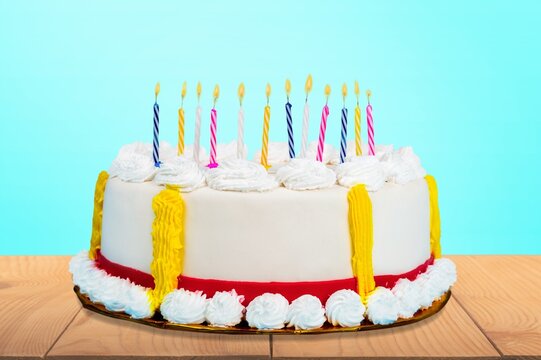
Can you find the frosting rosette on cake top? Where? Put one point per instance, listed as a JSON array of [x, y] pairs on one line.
[[240, 175], [381, 150], [402, 166], [182, 172], [227, 151], [134, 161], [365, 170], [329, 152], [278, 155], [305, 174]]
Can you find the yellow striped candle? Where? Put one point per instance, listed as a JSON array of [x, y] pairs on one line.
[[358, 150], [266, 125], [180, 146]]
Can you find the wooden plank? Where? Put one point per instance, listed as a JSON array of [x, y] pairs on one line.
[[93, 335], [502, 294], [450, 333], [36, 304]]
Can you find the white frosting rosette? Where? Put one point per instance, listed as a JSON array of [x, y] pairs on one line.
[[240, 175], [188, 153], [182, 172], [403, 166], [365, 170], [381, 150], [278, 155], [305, 174], [225, 309], [305, 313], [382, 307], [409, 296], [345, 308], [114, 293], [184, 307], [267, 311], [227, 151], [134, 161], [329, 152]]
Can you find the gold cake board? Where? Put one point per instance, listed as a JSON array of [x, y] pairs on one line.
[[243, 328]]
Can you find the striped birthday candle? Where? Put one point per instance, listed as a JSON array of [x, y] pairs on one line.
[[266, 124], [156, 140], [323, 126], [213, 129], [344, 132], [289, 120], [370, 126]]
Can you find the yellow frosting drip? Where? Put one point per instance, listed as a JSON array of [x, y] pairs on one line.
[[95, 240], [435, 225], [362, 239], [167, 243]]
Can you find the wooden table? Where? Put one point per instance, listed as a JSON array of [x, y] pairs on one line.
[[495, 312]]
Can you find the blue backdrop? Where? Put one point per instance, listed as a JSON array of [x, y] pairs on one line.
[[459, 81]]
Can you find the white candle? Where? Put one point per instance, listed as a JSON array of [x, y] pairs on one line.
[[197, 131], [306, 117], [240, 127]]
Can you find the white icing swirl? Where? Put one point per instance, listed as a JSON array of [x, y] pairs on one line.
[[403, 166], [278, 155], [304, 174], [306, 312], [114, 293], [180, 171], [240, 175], [381, 150], [225, 309], [361, 170], [438, 278], [184, 307], [188, 153], [134, 162], [345, 308], [329, 152], [409, 295], [267, 311], [382, 307]]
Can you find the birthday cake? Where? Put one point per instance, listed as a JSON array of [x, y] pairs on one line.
[[329, 238]]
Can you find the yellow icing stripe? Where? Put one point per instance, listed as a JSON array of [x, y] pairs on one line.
[[95, 240], [167, 243], [362, 239], [435, 226]]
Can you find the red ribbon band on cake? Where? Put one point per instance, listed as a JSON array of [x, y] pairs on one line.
[[250, 289]]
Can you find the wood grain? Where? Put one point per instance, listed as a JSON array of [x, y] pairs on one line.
[[36, 304], [91, 335], [450, 333], [502, 295]]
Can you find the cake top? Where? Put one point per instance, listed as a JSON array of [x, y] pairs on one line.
[[319, 165], [134, 163]]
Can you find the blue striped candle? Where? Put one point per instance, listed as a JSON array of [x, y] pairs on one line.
[[290, 140], [343, 143], [156, 140]]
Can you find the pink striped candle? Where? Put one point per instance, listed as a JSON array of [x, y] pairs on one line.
[[213, 126], [323, 126], [370, 126]]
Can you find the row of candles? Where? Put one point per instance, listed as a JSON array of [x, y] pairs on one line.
[[266, 124]]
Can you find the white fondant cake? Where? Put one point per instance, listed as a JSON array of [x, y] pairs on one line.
[[290, 247]]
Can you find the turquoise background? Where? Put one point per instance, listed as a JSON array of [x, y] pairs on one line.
[[457, 80]]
